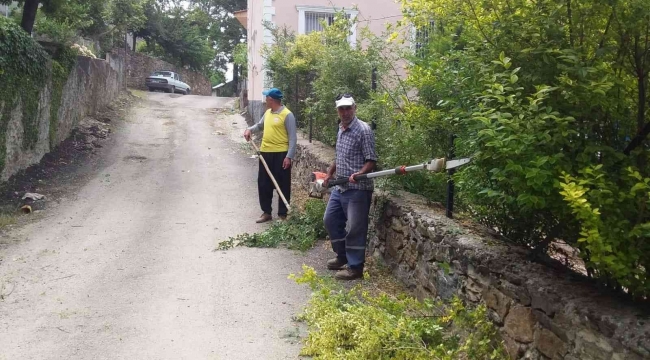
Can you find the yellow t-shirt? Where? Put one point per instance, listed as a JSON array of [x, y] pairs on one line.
[[275, 137]]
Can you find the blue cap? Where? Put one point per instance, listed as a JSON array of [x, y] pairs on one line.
[[274, 93]]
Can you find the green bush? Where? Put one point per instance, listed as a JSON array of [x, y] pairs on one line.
[[554, 118], [353, 324], [607, 207]]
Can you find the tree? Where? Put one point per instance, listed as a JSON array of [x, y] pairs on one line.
[[30, 8], [177, 35], [225, 32], [127, 15]]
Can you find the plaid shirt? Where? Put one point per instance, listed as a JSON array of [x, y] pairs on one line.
[[354, 146]]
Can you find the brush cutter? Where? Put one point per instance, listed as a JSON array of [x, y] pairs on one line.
[[317, 179]]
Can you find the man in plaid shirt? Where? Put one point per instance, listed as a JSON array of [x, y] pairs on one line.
[[355, 155]]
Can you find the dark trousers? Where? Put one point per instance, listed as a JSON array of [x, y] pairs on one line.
[[349, 207], [265, 185]]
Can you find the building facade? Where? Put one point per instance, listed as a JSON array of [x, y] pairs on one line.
[[302, 17]]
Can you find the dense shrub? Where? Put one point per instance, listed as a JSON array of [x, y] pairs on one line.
[[549, 98]]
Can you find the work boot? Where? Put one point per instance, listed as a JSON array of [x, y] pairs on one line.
[[336, 263], [282, 217], [264, 218], [349, 274]]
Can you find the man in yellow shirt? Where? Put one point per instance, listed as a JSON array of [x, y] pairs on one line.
[[278, 149]]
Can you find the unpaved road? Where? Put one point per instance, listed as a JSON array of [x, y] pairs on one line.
[[124, 268]]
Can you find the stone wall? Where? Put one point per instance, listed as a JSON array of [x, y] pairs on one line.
[[542, 313], [91, 85], [140, 66]]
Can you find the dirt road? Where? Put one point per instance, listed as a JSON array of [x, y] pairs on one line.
[[123, 268]]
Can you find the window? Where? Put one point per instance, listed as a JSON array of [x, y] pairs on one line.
[[310, 19], [421, 38], [162, 73], [314, 21]]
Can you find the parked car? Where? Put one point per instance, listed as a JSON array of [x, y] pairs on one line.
[[167, 81]]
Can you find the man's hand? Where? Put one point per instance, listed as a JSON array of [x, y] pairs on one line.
[[352, 181], [326, 181], [247, 135], [286, 163]]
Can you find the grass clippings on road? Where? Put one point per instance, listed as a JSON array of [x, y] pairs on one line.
[[300, 231]]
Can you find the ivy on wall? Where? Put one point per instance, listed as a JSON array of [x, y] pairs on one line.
[[24, 72], [62, 65]]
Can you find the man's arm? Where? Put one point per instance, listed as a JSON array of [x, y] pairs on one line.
[[368, 147], [254, 129], [290, 125], [331, 170], [369, 154], [257, 127], [367, 167], [330, 174]]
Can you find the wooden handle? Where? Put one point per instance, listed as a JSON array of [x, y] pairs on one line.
[[268, 171]]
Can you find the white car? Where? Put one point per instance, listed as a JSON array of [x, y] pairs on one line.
[[168, 81]]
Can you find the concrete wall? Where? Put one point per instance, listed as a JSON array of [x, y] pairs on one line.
[[91, 85], [139, 66], [541, 312]]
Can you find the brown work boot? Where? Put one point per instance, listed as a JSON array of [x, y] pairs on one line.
[[282, 217], [336, 263], [349, 274], [264, 218]]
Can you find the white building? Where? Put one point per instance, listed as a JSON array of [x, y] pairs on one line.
[[303, 17]]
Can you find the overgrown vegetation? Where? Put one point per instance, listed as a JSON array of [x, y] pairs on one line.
[[353, 324], [199, 35], [24, 72], [549, 98], [300, 231]]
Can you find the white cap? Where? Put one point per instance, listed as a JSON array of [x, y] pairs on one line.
[[345, 101]]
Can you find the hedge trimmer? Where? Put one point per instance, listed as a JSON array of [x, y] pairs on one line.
[[317, 179]]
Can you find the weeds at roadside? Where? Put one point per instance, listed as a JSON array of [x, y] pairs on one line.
[[7, 219], [354, 324]]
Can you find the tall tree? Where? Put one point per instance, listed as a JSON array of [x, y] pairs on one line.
[[30, 8], [225, 32], [177, 35]]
